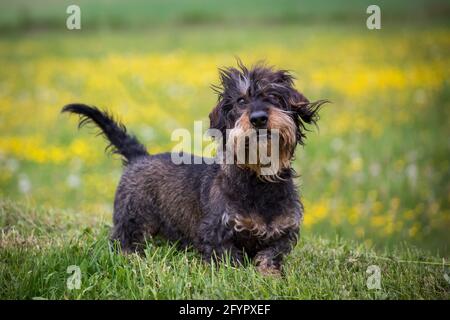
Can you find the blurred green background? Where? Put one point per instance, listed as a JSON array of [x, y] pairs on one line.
[[377, 170]]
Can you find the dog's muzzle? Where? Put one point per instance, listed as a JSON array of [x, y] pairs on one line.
[[259, 119]]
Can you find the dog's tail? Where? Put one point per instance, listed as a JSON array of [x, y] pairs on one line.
[[120, 141]]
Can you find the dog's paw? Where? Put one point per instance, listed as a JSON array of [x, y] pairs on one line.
[[270, 271]]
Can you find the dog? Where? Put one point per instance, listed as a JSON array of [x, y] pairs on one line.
[[222, 210]]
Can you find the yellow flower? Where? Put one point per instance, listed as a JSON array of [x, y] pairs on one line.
[[315, 213], [414, 230], [359, 231], [356, 164], [354, 215]]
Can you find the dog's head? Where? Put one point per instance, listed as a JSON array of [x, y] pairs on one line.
[[263, 98]]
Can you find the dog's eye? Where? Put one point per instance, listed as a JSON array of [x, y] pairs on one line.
[[241, 101]]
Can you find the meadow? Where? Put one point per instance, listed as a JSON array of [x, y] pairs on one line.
[[374, 176]]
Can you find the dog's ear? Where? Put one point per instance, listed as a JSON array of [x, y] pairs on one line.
[[216, 117], [306, 110]]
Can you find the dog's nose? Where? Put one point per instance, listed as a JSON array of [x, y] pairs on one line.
[[258, 119]]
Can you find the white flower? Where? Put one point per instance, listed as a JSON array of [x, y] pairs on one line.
[[24, 183], [411, 172], [73, 181], [337, 144], [375, 169], [12, 165]]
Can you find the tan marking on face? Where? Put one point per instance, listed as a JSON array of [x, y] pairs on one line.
[[280, 120], [240, 131], [286, 129], [244, 122]]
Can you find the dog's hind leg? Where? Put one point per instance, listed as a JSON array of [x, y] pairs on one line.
[[133, 224]]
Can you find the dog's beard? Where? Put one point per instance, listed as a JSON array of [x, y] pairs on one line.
[[266, 151]]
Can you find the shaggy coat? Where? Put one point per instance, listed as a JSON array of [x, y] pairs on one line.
[[219, 209]]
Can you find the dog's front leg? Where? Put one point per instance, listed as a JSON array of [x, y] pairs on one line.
[[215, 241], [225, 252], [269, 260]]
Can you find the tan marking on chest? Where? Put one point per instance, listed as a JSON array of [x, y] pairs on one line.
[[256, 225]]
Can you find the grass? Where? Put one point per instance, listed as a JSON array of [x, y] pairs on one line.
[[38, 245], [22, 15]]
